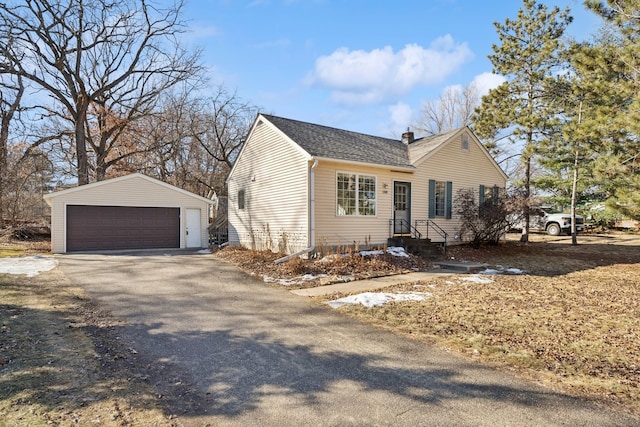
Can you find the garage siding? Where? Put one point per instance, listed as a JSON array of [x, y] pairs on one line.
[[135, 190]]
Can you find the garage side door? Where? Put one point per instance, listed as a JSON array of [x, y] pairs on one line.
[[92, 228]]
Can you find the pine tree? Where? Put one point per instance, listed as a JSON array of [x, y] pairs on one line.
[[586, 99], [618, 165], [524, 105]]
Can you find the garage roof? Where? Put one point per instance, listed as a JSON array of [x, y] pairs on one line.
[[48, 197]]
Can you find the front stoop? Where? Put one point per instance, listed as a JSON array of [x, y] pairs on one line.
[[424, 248], [461, 266]]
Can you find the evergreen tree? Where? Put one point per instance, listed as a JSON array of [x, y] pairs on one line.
[[524, 105], [618, 165]]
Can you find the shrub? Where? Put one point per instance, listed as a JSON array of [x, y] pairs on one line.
[[484, 223]]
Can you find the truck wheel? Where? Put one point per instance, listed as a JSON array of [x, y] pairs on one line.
[[553, 229]]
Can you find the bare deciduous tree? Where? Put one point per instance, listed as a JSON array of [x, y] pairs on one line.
[[11, 91], [103, 63], [452, 110], [195, 140]]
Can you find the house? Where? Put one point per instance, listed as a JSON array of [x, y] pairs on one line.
[[128, 212], [297, 186]]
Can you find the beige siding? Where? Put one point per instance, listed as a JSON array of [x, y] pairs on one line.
[[274, 174], [132, 191], [464, 168], [337, 230]]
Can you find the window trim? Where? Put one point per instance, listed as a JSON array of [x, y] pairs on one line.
[[465, 142], [448, 199], [493, 191], [241, 199], [357, 207]]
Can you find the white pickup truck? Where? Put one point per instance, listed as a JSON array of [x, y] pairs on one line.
[[554, 224]]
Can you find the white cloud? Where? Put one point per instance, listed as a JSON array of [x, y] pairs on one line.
[[361, 77], [198, 32], [402, 115], [487, 81]]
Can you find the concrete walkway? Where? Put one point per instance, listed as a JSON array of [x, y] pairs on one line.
[[447, 268], [373, 284]]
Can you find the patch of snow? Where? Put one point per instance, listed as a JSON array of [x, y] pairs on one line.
[[293, 281], [29, 266], [490, 271], [376, 299], [204, 251], [371, 253], [474, 278], [329, 258], [392, 250], [501, 270], [397, 251], [308, 277]]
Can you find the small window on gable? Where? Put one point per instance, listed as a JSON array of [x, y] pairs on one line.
[[241, 199], [465, 141]]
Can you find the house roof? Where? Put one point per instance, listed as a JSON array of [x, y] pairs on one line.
[[49, 196], [424, 146], [327, 142]]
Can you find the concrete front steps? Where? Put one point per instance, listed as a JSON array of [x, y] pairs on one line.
[[424, 248], [461, 266]]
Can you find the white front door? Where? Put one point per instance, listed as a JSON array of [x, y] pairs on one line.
[[193, 229]]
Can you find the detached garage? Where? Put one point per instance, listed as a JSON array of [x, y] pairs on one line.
[[129, 212]]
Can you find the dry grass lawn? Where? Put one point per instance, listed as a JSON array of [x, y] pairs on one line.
[[61, 360]]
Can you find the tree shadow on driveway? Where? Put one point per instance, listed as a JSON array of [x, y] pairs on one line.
[[236, 375], [216, 343]]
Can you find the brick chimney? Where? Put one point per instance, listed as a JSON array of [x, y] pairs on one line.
[[407, 137]]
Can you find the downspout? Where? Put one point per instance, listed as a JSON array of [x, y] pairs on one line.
[[312, 204], [312, 217]]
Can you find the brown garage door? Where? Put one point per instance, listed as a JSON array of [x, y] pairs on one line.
[[92, 228]]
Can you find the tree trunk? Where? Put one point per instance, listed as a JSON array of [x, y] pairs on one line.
[[101, 170], [4, 138], [527, 197], [5, 123], [574, 192], [81, 143]]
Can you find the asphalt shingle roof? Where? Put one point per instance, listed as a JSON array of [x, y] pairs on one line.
[[328, 142]]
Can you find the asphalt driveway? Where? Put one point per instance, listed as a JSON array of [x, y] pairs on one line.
[[246, 354]]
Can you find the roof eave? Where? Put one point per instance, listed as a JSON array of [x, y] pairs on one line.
[[366, 164]]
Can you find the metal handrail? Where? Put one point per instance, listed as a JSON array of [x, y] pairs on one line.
[[428, 223], [415, 233]]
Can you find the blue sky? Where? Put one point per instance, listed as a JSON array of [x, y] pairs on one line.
[[361, 65]]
